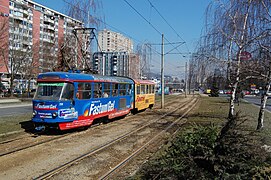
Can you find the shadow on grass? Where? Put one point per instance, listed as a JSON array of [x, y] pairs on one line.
[[217, 116], [28, 126]]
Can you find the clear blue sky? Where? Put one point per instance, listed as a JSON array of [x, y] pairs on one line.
[[185, 16]]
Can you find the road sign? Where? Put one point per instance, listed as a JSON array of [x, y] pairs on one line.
[[253, 86]]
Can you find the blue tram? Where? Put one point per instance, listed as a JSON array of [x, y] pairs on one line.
[[70, 100]]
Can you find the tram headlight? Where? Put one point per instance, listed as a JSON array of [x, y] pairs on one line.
[[34, 113], [54, 115]]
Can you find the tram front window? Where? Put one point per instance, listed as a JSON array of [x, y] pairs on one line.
[[54, 91]]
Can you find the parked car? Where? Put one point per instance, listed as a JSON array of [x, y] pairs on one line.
[[246, 92], [228, 92]]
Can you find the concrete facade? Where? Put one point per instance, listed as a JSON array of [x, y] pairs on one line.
[[110, 41], [35, 32]]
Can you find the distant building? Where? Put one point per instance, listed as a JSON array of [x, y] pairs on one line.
[[110, 41], [34, 32], [117, 64], [116, 57]]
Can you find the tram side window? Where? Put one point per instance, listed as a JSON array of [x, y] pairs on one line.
[[115, 89], [68, 92], [106, 90], [97, 92], [147, 89], [138, 89], [84, 91], [122, 89], [142, 89], [152, 89], [129, 89]]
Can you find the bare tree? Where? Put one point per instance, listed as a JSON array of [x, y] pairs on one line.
[[234, 27], [82, 37], [84, 10], [30, 67], [3, 43]]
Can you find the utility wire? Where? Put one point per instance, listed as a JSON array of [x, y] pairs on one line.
[[149, 23], [144, 18], [155, 60], [97, 19], [168, 23]]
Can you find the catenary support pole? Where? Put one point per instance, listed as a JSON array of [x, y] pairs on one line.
[[185, 79], [162, 74]]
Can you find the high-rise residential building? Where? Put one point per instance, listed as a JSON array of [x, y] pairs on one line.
[[115, 56], [31, 37], [117, 64], [110, 41]]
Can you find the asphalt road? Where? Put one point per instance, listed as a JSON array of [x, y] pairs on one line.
[[257, 101], [19, 109], [15, 109]]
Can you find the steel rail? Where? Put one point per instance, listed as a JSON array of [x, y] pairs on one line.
[[135, 153], [17, 149], [102, 147]]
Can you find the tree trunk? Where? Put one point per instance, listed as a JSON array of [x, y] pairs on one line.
[[262, 108], [261, 112], [264, 99], [28, 87], [11, 86], [231, 111]]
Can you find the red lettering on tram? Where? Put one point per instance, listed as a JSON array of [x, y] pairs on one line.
[[138, 99]]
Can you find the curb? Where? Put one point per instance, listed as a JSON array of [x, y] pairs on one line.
[[14, 100], [5, 101]]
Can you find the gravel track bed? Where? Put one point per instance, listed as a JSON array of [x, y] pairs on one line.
[[30, 163]]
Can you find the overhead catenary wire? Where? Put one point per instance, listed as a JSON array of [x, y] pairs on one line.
[[150, 24], [118, 30], [97, 19], [168, 23]]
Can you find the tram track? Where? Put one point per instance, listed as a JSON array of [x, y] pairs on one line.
[[144, 146], [6, 145], [120, 138]]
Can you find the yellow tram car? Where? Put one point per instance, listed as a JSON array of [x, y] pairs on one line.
[[144, 94]]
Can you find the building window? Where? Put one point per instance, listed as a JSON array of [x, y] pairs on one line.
[[37, 7], [16, 13]]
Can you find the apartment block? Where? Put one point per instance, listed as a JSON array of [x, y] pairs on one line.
[[110, 41], [34, 37], [115, 56], [117, 64]]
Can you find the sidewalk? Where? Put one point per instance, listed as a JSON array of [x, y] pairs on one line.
[[14, 100]]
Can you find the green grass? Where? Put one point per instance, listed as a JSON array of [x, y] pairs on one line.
[[10, 124], [251, 113], [202, 150], [210, 111]]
